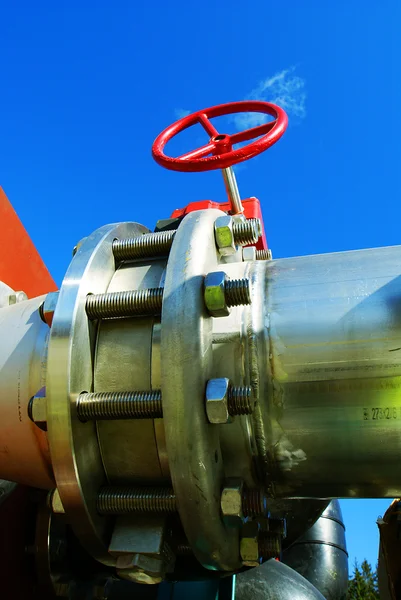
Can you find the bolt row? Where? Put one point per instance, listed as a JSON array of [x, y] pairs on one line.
[[127, 500]]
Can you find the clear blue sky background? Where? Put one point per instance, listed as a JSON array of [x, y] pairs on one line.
[[86, 86]]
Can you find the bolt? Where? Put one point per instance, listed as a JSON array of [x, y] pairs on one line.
[[124, 304], [142, 246], [127, 500], [17, 297], [264, 254], [269, 545], [46, 310], [224, 400], [119, 405], [247, 232], [238, 502], [118, 500], [230, 233], [249, 544], [220, 293]]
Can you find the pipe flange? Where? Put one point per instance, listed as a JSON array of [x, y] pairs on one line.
[[193, 445], [76, 458]]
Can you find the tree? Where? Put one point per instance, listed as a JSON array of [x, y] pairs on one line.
[[363, 585]]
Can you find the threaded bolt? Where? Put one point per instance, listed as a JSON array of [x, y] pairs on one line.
[[246, 232], [184, 550], [143, 246], [240, 400], [128, 500], [269, 546], [124, 304], [264, 254], [237, 292], [254, 502], [119, 405]]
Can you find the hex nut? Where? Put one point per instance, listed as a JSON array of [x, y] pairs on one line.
[[17, 297], [249, 253], [231, 503], [214, 294], [55, 502], [49, 306], [249, 545], [224, 235], [217, 400], [141, 568]]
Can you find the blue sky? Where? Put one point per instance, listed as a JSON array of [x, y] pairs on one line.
[[87, 86]]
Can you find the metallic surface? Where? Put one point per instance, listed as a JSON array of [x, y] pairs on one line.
[[320, 555], [331, 370], [193, 447], [74, 447], [24, 450], [221, 145], [128, 447], [232, 191], [156, 381], [274, 581]]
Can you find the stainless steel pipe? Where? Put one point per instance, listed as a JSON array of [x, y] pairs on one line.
[[332, 385]]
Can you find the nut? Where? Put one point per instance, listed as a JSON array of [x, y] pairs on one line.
[[214, 294], [49, 306], [231, 503], [224, 235], [217, 400], [17, 297], [77, 247], [248, 253], [55, 502], [249, 545], [141, 568]]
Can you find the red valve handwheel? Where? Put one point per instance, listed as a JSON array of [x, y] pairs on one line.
[[221, 145]]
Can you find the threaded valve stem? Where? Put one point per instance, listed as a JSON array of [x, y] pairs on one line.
[[124, 304], [97, 406], [143, 246], [128, 500]]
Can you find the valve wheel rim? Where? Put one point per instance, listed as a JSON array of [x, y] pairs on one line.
[[221, 145]]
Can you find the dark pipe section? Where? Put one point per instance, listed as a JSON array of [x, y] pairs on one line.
[[274, 581], [320, 555]]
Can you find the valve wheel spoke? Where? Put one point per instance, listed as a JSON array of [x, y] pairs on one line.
[[254, 132], [199, 152], [207, 125]]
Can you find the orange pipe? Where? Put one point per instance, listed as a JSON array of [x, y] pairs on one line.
[[21, 266]]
